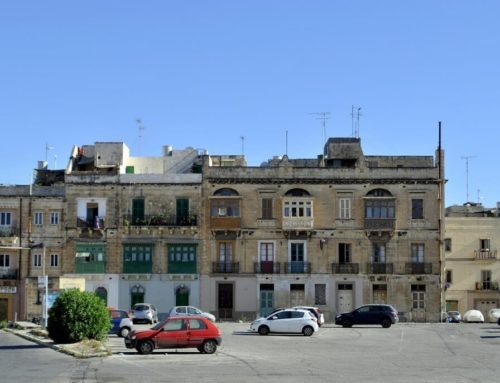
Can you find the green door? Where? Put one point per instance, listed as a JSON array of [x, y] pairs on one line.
[[182, 211], [266, 302], [182, 297], [138, 211], [102, 293], [4, 306]]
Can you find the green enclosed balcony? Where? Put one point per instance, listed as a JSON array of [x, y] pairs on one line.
[[137, 267]]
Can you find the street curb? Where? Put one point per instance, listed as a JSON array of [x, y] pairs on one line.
[[65, 349]]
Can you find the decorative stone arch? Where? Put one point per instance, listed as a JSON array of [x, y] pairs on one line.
[[102, 293], [226, 192], [379, 193], [297, 192]]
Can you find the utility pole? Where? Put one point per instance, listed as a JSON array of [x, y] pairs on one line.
[[467, 158], [141, 129], [355, 114]]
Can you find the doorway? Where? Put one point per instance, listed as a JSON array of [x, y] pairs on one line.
[[266, 299], [225, 300], [346, 296]]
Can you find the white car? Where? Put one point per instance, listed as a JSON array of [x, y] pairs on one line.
[[473, 316], [315, 311], [493, 315], [286, 321], [190, 310]]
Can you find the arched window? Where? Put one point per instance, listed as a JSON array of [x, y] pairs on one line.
[[297, 203], [297, 193], [182, 295], [226, 192], [102, 293], [379, 204], [225, 207]]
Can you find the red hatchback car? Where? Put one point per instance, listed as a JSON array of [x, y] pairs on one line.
[[177, 332]]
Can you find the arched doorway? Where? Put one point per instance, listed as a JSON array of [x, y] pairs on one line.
[[182, 295], [102, 293], [136, 295]]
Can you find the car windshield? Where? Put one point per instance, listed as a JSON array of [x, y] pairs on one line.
[[158, 326]]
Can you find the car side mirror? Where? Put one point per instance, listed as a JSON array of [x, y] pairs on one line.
[[274, 317]]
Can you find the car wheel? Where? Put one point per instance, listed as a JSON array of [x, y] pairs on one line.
[[347, 323], [307, 331], [200, 348], [145, 347], [386, 323], [209, 346], [263, 330], [124, 332]]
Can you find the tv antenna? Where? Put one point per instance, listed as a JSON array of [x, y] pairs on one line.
[[467, 158], [324, 116], [242, 145], [141, 129], [47, 148], [355, 114]]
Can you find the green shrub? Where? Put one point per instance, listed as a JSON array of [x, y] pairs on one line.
[[3, 324], [77, 315]]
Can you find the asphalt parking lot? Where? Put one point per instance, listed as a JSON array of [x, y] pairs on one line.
[[439, 352]]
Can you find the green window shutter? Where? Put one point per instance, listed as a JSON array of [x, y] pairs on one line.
[[129, 170], [137, 210]]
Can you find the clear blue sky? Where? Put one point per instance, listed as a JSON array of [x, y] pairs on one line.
[[205, 73]]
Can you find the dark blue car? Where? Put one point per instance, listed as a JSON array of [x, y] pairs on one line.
[[121, 324], [384, 315]]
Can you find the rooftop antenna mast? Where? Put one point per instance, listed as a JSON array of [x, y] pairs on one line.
[[467, 158], [141, 129], [242, 145], [47, 148], [324, 116], [355, 114]]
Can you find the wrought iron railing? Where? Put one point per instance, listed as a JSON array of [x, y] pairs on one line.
[[226, 267], [379, 268], [160, 220], [297, 267], [267, 267], [345, 268], [418, 268]]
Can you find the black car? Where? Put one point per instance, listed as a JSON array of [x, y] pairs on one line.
[[384, 315]]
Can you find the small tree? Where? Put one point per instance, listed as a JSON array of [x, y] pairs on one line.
[[77, 315]]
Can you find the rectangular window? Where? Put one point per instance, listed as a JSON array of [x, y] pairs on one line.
[[226, 252], [417, 208], [138, 253], [297, 252], [379, 209], [37, 260], [418, 296], [5, 218], [54, 218], [378, 252], [449, 276], [345, 208], [4, 260], [182, 253], [344, 253], [54, 260], [297, 209], [320, 294], [486, 279], [417, 252], [225, 208], [447, 244], [266, 250], [267, 208], [484, 244], [38, 218]]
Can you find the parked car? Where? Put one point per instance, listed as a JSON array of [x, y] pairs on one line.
[[384, 315], [286, 321], [454, 317], [473, 316], [190, 310], [177, 332], [315, 311], [144, 312], [121, 324], [493, 315]]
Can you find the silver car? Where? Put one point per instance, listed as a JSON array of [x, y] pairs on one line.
[[144, 312], [190, 310]]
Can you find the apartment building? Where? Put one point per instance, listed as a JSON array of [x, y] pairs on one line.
[[472, 270], [336, 231]]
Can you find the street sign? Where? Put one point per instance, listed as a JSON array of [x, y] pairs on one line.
[[43, 281]]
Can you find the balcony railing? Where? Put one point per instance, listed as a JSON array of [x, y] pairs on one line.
[[160, 220], [89, 223], [380, 223], [90, 267], [418, 268], [298, 223], [379, 268], [8, 231], [485, 254], [345, 268], [487, 285], [226, 267], [8, 274], [137, 267], [298, 267], [267, 267]]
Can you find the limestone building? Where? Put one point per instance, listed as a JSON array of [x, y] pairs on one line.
[[335, 232], [472, 271]]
